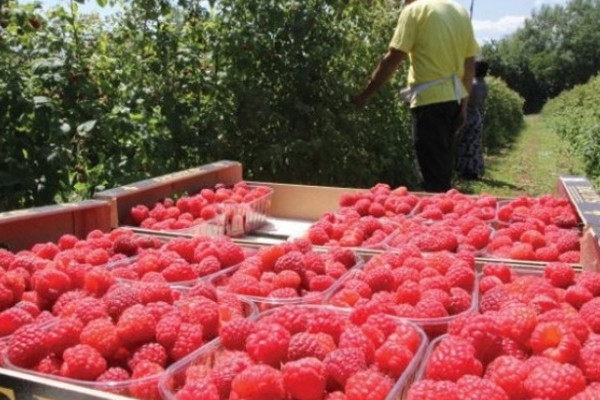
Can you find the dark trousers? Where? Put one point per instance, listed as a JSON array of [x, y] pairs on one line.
[[434, 131]]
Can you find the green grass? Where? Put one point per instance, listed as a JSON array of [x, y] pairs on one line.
[[531, 166]]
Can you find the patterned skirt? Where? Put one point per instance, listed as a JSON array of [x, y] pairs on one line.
[[469, 147]]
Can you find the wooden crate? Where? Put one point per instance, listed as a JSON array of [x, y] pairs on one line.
[[21, 229]]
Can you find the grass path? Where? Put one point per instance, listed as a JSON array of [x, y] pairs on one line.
[[530, 166]]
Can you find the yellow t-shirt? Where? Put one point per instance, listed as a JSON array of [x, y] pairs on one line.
[[437, 35]]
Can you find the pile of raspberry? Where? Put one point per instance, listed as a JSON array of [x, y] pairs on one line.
[[193, 210], [533, 240], [454, 235], [453, 205], [536, 337], [182, 260], [287, 271], [122, 335], [36, 278], [303, 353], [406, 284], [548, 209], [363, 217]]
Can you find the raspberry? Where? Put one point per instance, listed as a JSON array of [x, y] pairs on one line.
[[304, 344], [293, 261], [304, 379], [87, 309], [571, 257], [570, 318], [354, 337], [327, 321], [592, 392], [408, 293], [153, 292], [82, 362], [136, 326], [509, 373], [547, 253], [114, 374], [453, 358], [119, 298], [167, 329], [153, 352], [268, 343], [189, 338], [230, 253], [589, 359], [483, 331], [139, 213], [97, 257], [590, 280], [97, 281], [46, 250], [225, 371], [568, 241], [146, 389], [125, 245], [66, 298], [258, 382], [590, 312], [317, 235], [27, 346], [479, 236], [560, 274], [488, 283], [64, 334], [517, 322], [428, 389], [522, 251], [368, 384], [393, 359], [233, 335], [50, 283], [462, 277], [577, 295], [179, 272], [343, 255], [500, 270], [460, 301], [49, 365], [379, 279], [555, 341], [341, 364], [475, 388], [199, 310], [555, 381], [12, 319], [203, 389]]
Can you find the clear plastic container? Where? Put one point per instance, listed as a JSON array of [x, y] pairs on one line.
[[432, 326], [221, 279], [127, 387], [234, 220], [172, 381]]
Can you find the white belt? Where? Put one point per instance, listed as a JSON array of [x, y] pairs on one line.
[[409, 94]]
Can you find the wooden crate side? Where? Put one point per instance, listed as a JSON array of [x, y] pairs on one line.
[[21, 229]]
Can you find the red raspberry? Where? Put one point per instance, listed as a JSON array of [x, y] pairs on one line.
[[479, 236], [476, 388], [12, 319], [408, 293], [293, 261], [167, 329], [572, 257], [203, 389], [522, 251], [393, 359], [380, 279], [509, 373], [320, 283], [354, 337], [268, 343], [304, 344], [97, 281], [199, 310], [590, 280], [179, 272], [189, 338], [142, 387], [114, 374], [49, 365], [230, 253], [287, 279], [555, 341], [233, 335], [327, 321], [136, 326], [592, 392], [50, 283], [555, 381], [46, 250], [568, 241], [82, 362], [483, 332], [153, 352], [590, 312], [428, 389], [86, 309], [64, 334], [119, 298], [368, 384], [97, 256], [489, 282], [343, 363], [560, 274], [453, 358], [139, 213], [258, 382], [577, 295], [27, 346], [500, 270], [304, 379], [343, 255], [589, 359], [318, 236], [461, 276], [460, 301], [547, 253], [337, 395], [569, 317], [225, 370], [517, 322]]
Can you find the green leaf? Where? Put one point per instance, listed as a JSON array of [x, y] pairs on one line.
[[101, 3], [86, 127]]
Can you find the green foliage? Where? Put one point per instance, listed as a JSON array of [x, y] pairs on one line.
[[575, 115], [503, 115], [555, 50], [87, 104]]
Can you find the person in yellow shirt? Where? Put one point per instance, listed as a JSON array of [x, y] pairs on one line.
[[437, 37]]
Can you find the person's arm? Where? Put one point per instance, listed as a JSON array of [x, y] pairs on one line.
[[382, 74]]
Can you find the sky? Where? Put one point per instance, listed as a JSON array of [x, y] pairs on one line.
[[492, 19]]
